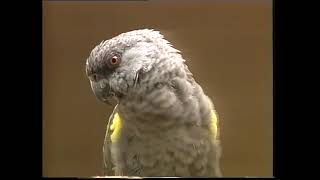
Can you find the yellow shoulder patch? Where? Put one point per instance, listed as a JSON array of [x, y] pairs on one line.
[[116, 126], [214, 125]]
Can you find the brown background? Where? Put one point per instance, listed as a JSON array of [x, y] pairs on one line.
[[227, 45]]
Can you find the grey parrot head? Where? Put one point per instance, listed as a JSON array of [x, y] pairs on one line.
[[131, 61]]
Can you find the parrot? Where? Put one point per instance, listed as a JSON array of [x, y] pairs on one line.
[[163, 124]]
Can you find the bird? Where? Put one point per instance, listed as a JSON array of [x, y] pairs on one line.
[[163, 123]]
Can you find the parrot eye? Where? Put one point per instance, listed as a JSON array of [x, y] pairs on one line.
[[114, 61]]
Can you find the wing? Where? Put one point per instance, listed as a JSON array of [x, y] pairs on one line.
[[107, 159]]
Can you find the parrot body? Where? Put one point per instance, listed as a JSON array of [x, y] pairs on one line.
[[163, 124]]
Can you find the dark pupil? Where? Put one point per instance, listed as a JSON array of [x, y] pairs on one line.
[[114, 60]]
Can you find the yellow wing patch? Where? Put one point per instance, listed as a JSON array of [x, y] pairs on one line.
[[214, 125], [116, 126]]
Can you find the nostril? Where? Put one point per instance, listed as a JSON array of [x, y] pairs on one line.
[[95, 77]]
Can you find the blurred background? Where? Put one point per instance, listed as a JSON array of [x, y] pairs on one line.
[[228, 48]]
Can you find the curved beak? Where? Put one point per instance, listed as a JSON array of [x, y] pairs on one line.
[[102, 91]]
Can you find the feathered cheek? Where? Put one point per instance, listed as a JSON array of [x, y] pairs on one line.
[[119, 85]]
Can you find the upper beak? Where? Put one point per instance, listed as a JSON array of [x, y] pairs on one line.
[[102, 91]]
